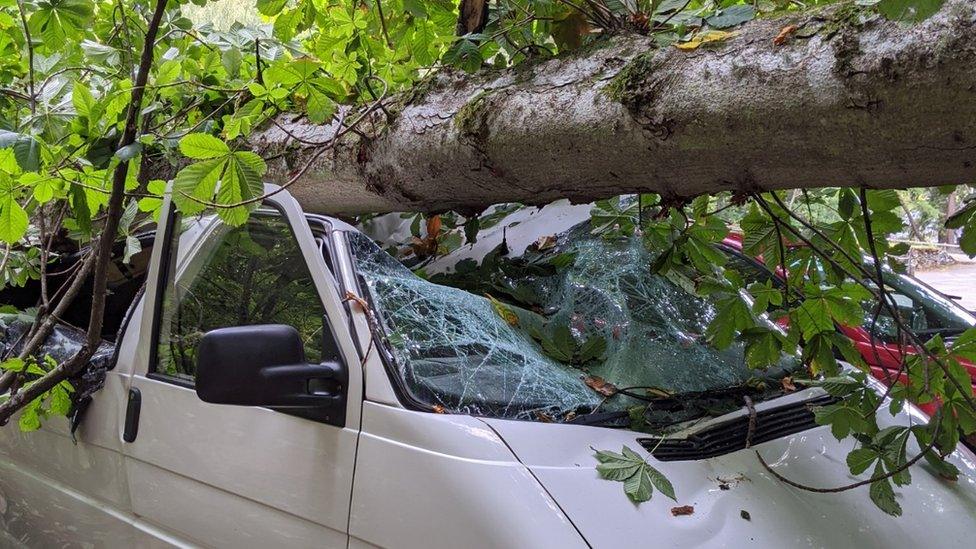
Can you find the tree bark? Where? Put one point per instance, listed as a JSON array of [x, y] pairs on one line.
[[880, 104], [948, 236]]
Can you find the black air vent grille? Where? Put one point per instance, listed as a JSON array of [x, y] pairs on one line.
[[730, 436]]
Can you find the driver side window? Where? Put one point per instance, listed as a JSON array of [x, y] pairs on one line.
[[248, 275]]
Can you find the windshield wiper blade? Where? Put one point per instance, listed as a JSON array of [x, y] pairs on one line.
[[664, 411], [681, 401], [941, 331], [602, 419]]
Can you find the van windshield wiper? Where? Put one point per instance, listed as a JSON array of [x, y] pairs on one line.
[[941, 331], [664, 411]]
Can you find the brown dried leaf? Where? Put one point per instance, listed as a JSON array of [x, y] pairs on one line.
[[600, 385], [545, 242], [788, 385], [784, 35], [683, 510], [657, 392], [427, 246], [433, 226], [640, 21], [424, 247], [438, 409], [569, 30], [360, 301], [543, 417]]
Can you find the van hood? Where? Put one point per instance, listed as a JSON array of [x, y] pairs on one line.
[[736, 501]]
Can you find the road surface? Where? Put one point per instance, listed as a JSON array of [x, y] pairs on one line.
[[959, 279]]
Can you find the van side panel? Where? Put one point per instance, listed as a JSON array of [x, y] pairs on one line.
[[53, 491], [234, 475]]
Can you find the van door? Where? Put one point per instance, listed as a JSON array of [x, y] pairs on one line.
[[60, 488], [233, 475]]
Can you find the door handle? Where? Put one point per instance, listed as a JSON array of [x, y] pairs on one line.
[[132, 410]]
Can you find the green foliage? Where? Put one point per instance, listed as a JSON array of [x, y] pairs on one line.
[[231, 178], [559, 343], [53, 402], [909, 10], [13, 217], [965, 219], [731, 16], [57, 21], [831, 282], [638, 476]]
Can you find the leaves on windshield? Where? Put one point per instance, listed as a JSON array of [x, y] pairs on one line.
[[559, 343], [638, 476], [600, 385]]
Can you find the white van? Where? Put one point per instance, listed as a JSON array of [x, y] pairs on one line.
[[288, 384]]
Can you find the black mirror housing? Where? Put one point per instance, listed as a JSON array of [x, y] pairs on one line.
[[265, 365]]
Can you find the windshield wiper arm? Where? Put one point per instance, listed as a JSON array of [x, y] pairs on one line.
[[941, 331]]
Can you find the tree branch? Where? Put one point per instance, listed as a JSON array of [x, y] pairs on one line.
[[97, 262], [30, 57], [841, 108]]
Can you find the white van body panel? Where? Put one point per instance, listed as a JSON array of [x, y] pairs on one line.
[[237, 475], [53, 491], [242, 476], [378, 385], [431, 480], [560, 456]]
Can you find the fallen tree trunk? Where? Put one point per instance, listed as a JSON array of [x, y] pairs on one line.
[[879, 104]]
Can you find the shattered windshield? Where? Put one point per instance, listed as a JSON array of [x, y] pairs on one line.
[[543, 336]]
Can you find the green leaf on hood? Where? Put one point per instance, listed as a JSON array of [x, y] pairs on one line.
[[638, 476], [883, 495]]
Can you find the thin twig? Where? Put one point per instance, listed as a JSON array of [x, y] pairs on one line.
[[928, 448], [201, 121], [866, 215], [15, 94], [191, 34], [6, 256], [42, 229], [676, 12], [83, 70], [257, 61], [30, 57], [386, 35], [179, 114], [752, 420]]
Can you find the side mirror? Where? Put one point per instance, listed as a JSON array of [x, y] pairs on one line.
[[265, 365]]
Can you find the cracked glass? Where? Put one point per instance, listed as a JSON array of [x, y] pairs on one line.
[[522, 340]]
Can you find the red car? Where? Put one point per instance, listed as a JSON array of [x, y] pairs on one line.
[[929, 312]]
